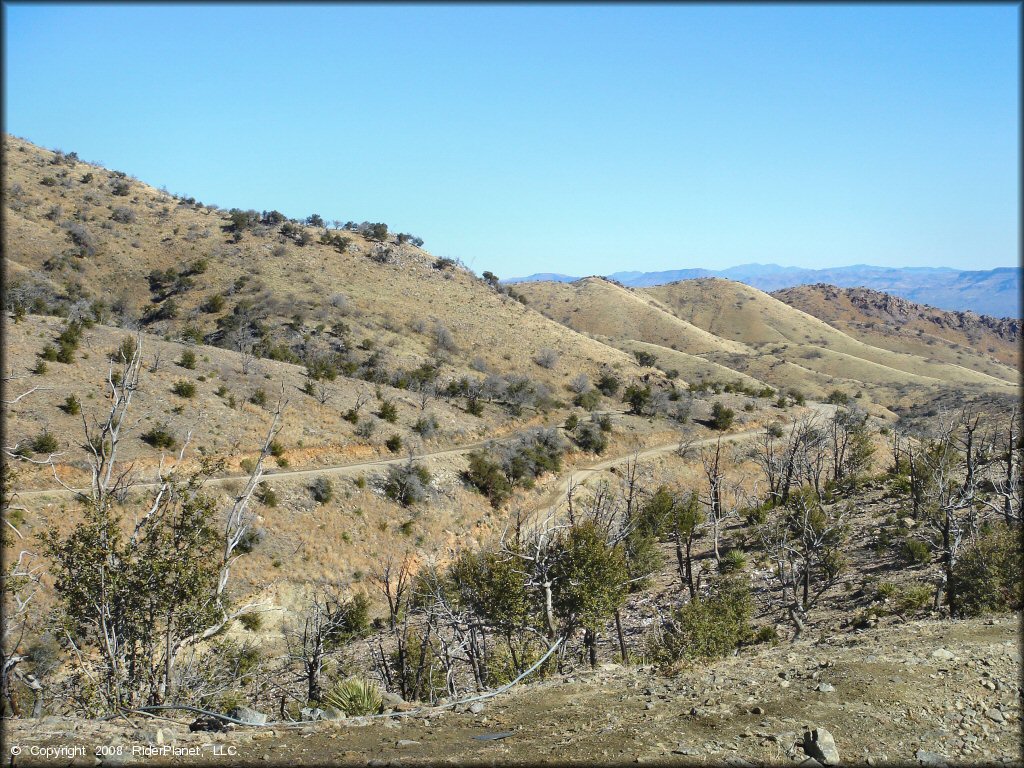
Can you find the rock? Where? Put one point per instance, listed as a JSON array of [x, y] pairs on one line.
[[819, 744], [757, 710], [312, 713], [207, 723], [738, 762], [476, 707], [942, 655], [248, 716], [406, 743], [995, 715], [809, 762], [825, 687], [397, 703], [924, 757]]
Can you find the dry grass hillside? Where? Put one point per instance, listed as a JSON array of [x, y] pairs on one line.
[[76, 234], [894, 323], [714, 329]]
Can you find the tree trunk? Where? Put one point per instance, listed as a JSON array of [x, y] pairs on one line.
[[689, 569], [622, 640], [590, 641]]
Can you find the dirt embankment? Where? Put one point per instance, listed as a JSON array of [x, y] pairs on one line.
[[926, 692]]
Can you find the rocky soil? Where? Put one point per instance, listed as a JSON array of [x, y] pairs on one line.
[[924, 692]]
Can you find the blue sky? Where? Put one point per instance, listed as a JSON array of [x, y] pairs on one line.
[[576, 139]]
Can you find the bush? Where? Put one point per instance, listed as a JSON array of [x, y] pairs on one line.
[[837, 397], [709, 628], [546, 358], [123, 215], [766, 634], [159, 437], [215, 303], [608, 384], [425, 426], [322, 490], [71, 406], [486, 476], [252, 622], [388, 411], [591, 438], [44, 442], [184, 388], [588, 400], [354, 697], [989, 576], [721, 417], [258, 397], [188, 360], [645, 359], [267, 495], [406, 483], [915, 552], [394, 443], [732, 561]]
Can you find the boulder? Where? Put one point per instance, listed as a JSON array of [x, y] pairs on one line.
[[819, 744], [248, 716]]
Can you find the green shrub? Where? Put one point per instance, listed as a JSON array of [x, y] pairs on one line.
[[394, 443], [486, 476], [732, 561], [708, 628], [184, 388], [71, 405], [322, 490], [252, 622], [267, 495], [159, 437], [591, 438], [188, 359], [258, 397], [354, 697], [721, 417], [571, 422], [645, 359], [39, 368], [915, 551], [247, 465], [388, 412], [914, 597], [588, 400], [608, 384], [766, 634], [406, 483], [49, 352], [45, 442], [989, 575]]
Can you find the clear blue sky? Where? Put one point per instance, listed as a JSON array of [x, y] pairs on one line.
[[575, 139]]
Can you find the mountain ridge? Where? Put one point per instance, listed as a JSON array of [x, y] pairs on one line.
[[994, 292]]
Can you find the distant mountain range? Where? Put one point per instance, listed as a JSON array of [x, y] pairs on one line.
[[994, 292]]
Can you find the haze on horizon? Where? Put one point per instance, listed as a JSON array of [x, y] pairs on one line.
[[570, 139]]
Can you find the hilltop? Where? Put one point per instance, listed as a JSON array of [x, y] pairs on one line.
[[990, 292]]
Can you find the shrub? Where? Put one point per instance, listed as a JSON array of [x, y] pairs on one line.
[[721, 417], [588, 400], [915, 551], [645, 359], [709, 628], [39, 368], [258, 397], [44, 442], [215, 303], [571, 422], [322, 490], [732, 561], [123, 215], [406, 483], [71, 406], [914, 597], [637, 398], [837, 397], [252, 622], [989, 575], [159, 437], [591, 438], [184, 388], [354, 697], [394, 443], [188, 360], [546, 358], [608, 384], [766, 634], [388, 412], [425, 426], [267, 495], [487, 477]]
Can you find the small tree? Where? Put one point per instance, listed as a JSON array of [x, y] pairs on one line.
[[721, 417]]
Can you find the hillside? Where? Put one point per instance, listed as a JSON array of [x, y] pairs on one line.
[[994, 292], [706, 328], [900, 325], [76, 234]]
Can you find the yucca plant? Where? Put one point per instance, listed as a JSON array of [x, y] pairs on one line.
[[354, 697]]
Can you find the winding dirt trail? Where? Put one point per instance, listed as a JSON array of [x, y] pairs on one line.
[[575, 477]]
